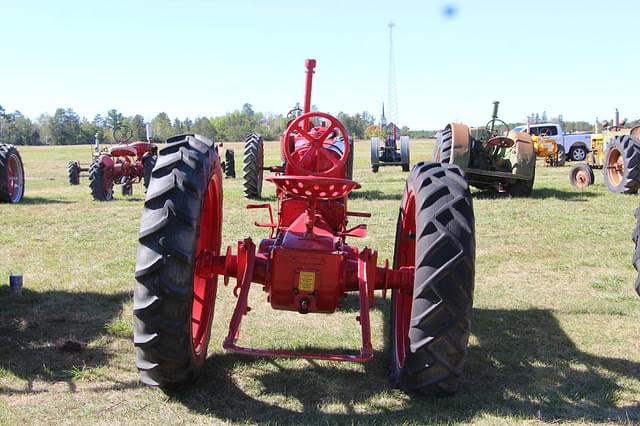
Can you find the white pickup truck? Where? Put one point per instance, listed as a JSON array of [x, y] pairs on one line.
[[577, 145]]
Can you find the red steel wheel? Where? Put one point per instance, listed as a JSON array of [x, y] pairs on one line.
[[405, 255], [430, 322], [204, 290]]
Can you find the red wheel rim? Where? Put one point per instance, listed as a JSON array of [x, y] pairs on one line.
[[16, 179], [405, 256], [209, 239]]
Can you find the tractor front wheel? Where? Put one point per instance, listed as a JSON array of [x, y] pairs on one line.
[[73, 170], [182, 219], [101, 185], [430, 323], [253, 163], [11, 174], [581, 176]]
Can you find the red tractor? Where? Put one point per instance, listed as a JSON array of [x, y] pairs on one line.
[[124, 164], [305, 265]]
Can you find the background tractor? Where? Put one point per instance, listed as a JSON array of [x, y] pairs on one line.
[[615, 150], [388, 154], [553, 153], [492, 157], [305, 265], [11, 174], [123, 164]]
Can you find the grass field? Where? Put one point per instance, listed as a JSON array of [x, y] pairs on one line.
[[555, 328]]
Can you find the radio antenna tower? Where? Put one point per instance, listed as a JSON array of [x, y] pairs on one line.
[[392, 91]]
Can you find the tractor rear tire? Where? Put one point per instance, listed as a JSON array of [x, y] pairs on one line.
[[621, 171], [148, 163], [375, 154], [445, 144], [636, 256], [404, 153], [435, 234], [100, 190], [253, 162], [562, 157], [11, 174], [182, 218], [73, 170], [229, 164], [350, 160], [581, 176]]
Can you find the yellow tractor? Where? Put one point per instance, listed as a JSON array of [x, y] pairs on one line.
[[545, 143], [615, 150], [553, 154]]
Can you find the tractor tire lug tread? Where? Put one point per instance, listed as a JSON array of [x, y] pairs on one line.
[[252, 163], [73, 173], [166, 261], [444, 280]]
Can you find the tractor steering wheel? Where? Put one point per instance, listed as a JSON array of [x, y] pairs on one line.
[[314, 161], [122, 133], [496, 132]]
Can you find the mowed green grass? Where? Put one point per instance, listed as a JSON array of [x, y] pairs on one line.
[[555, 328]]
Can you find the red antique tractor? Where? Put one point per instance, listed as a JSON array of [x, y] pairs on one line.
[[124, 164], [305, 265]]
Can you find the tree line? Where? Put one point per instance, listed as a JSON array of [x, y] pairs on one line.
[[66, 127]]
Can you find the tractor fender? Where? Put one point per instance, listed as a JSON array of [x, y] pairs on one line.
[[461, 144], [106, 160], [635, 132], [142, 148], [525, 154]]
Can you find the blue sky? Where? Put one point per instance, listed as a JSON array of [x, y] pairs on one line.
[[205, 58]]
